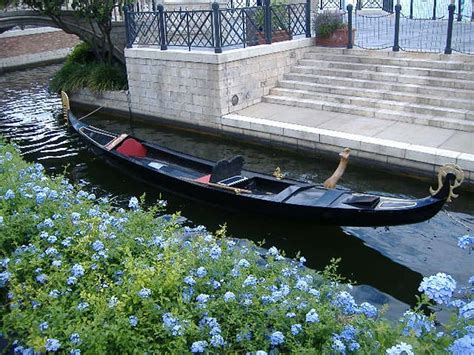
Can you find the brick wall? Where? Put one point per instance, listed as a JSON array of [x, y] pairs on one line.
[[200, 87]]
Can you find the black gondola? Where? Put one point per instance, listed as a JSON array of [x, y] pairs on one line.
[[226, 184]]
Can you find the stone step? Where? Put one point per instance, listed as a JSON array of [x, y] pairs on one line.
[[376, 103], [392, 69], [444, 101], [385, 60], [386, 86], [388, 53], [386, 77], [445, 122]]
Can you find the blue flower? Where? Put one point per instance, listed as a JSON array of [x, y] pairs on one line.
[[71, 280], [199, 346], [229, 296], [133, 203], [338, 346], [42, 278], [113, 301], [261, 352], [1, 221], [462, 345], [75, 339], [277, 338], [217, 341], [144, 293], [201, 272], [54, 294], [82, 306], [189, 280], [75, 217], [56, 263], [301, 285], [466, 242], [4, 277], [215, 252], [250, 281], [312, 316], [467, 311], [439, 287], [416, 323], [369, 310], [98, 245], [52, 345], [133, 321], [346, 303], [43, 326], [296, 329], [52, 239], [9, 194], [290, 315], [243, 263], [202, 300], [40, 198], [399, 349], [77, 270], [75, 352]]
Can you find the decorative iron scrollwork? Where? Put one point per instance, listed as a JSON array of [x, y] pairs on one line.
[[445, 170]]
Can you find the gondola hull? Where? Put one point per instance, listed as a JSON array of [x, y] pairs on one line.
[[296, 200]]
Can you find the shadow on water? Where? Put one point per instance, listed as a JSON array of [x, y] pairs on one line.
[[392, 260]]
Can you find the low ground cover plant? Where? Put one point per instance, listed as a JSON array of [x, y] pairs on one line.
[[78, 275], [81, 70], [327, 22]]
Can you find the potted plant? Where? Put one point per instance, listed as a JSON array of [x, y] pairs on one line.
[[331, 30]]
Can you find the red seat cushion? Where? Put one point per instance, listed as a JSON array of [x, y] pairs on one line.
[[132, 148], [204, 179]]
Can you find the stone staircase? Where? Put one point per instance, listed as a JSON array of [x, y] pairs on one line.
[[427, 89]]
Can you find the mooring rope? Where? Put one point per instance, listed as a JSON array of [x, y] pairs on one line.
[[90, 113]]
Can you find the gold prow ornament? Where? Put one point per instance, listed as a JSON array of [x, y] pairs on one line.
[[445, 170], [331, 182], [278, 174], [66, 106]]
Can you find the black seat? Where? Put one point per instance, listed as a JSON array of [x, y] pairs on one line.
[[225, 169]]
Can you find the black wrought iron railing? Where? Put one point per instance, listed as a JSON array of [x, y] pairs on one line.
[[447, 33], [216, 28]]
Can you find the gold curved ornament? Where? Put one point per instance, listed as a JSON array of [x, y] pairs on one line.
[[278, 173], [445, 170], [66, 106]]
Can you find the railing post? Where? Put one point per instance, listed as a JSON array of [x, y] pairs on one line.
[[126, 10], [349, 26], [267, 21], [434, 10], [459, 10], [308, 18], [411, 9], [449, 38], [359, 5], [217, 28], [398, 9], [162, 28]]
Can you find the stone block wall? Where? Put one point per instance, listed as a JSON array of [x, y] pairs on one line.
[[200, 87]]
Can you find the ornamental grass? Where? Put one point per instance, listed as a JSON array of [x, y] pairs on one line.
[[81, 276]]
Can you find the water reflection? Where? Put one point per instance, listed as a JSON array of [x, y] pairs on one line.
[[392, 260]]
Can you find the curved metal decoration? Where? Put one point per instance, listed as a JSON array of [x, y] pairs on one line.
[[442, 173], [66, 106]]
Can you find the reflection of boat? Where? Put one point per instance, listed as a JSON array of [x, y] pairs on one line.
[[225, 184]]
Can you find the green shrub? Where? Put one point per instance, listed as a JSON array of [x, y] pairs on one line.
[[327, 22], [80, 275], [82, 71]]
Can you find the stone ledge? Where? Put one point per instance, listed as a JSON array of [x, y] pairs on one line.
[[213, 58], [411, 157], [35, 59]]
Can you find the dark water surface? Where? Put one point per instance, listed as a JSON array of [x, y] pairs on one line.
[[391, 260]]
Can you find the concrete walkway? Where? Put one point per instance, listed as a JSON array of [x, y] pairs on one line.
[[410, 147]]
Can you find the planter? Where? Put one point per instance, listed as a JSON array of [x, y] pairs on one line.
[[337, 39], [278, 36]]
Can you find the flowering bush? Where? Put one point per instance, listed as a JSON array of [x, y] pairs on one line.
[[79, 276]]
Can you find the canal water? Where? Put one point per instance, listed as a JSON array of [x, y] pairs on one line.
[[388, 262]]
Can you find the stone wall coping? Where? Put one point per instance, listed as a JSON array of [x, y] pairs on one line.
[[184, 55]]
